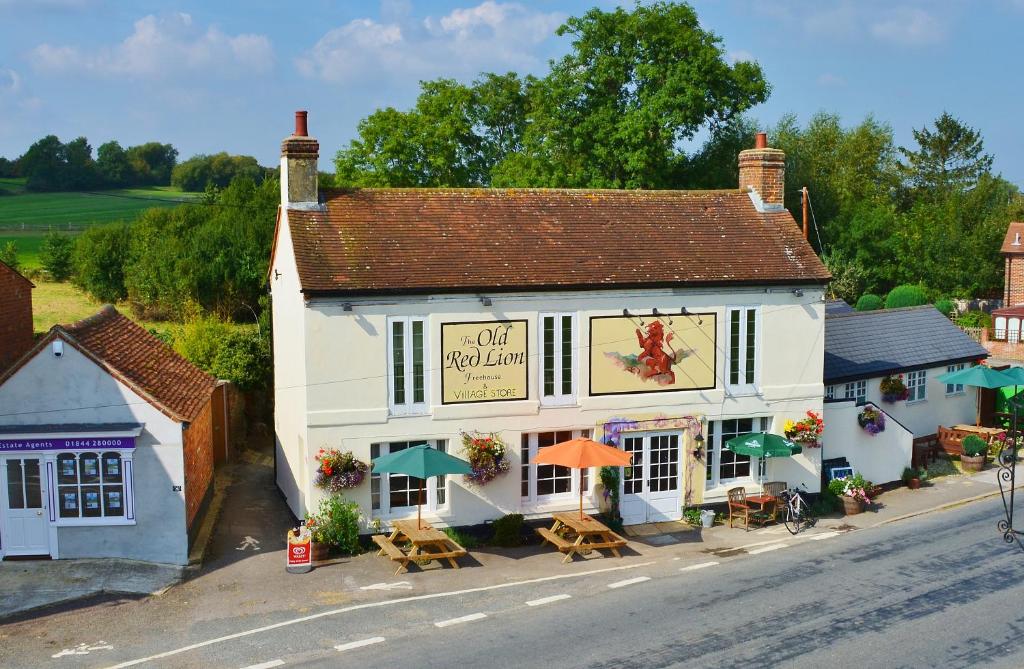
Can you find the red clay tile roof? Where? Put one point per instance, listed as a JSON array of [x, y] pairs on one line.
[[455, 240], [5, 268], [143, 362], [1015, 228]]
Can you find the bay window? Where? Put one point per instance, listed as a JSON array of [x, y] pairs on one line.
[[94, 487]]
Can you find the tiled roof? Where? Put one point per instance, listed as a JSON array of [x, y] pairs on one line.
[[1015, 228], [837, 307], [143, 362], [435, 240], [865, 344], [5, 268]]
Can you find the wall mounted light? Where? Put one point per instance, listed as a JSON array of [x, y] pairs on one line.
[[484, 300], [347, 306], [797, 292]]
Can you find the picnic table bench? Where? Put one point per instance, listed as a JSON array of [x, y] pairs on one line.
[[571, 534], [427, 544]]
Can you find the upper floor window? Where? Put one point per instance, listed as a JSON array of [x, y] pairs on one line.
[[954, 388], [857, 390], [557, 359], [398, 494], [916, 384], [741, 349], [407, 373]]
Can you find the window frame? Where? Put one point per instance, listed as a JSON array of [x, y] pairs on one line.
[[713, 452], [431, 486], [856, 391], [955, 388], [917, 385], [743, 356], [530, 468], [558, 398], [409, 407], [127, 483], [830, 392]]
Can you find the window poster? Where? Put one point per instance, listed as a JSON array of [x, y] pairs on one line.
[[641, 353], [114, 499], [90, 467], [70, 501], [113, 468], [92, 500], [484, 361], [67, 468]]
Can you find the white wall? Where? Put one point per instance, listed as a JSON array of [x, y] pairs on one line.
[[347, 396], [880, 458]]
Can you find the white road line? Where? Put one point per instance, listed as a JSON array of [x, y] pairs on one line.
[[773, 547], [547, 600], [823, 535], [359, 644], [266, 665], [464, 619], [695, 567], [370, 605], [629, 581]]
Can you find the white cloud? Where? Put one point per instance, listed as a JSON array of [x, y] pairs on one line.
[[490, 35], [912, 23], [162, 47], [909, 26]]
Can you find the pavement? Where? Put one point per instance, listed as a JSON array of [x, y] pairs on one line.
[[242, 566]]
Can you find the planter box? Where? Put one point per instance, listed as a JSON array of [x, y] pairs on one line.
[[973, 463], [851, 505]]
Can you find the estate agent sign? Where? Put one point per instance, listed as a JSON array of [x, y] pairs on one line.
[[652, 353], [483, 361], [65, 444]]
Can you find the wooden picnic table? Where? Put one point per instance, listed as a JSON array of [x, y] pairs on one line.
[[766, 503], [571, 534], [427, 544], [985, 433]]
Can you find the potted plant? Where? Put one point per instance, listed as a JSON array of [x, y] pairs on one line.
[[911, 478], [337, 471], [335, 526], [893, 389], [853, 491], [871, 419], [806, 431], [974, 451]]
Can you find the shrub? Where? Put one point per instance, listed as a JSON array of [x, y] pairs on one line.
[[9, 255], [907, 295], [508, 530], [336, 523], [98, 261], [910, 473], [974, 445], [692, 516], [974, 319], [868, 302], [946, 307], [463, 539], [55, 255], [226, 351], [826, 503]]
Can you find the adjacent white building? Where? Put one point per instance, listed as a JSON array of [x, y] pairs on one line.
[[664, 322]]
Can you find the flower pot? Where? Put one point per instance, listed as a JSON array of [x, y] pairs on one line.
[[320, 551], [973, 463], [851, 505], [914, 483], [707, 518]]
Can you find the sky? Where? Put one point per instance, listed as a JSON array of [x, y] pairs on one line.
[[210, 75]]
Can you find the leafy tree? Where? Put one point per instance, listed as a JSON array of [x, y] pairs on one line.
[[55, 255], [848, 276], [9, 168], [152, 163], [907, 295], [716, 164], [113, 165], [220, 169], [99, 259], [9, 255], [226, 351], [950, 157], [945, 307], [79, 171], [869, 302], [43, 164]]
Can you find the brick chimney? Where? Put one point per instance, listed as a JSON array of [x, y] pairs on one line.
[[299, 153], [763, 174]]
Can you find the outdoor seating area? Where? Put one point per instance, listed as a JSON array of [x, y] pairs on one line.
[[759, 509], [951, 438], [574, 534], [424, 544]]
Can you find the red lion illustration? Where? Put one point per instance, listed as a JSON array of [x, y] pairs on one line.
[[653, 356]]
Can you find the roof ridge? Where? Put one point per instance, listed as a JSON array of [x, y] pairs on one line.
[[105, 312], [499, 189]]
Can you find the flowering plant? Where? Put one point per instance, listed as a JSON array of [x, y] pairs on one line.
[[893, 389], [337, 470], [872, 419], [806, 430], [488, 456], [855, 486]]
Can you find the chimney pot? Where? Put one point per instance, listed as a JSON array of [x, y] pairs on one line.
[[761, 141], [299, 154], [301, 127]]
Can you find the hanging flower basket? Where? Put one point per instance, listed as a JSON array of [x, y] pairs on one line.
[[872, 419], [806, 431], [338, 471], [487, 455], [893, 389]]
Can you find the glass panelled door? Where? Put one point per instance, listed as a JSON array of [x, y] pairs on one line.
[[650, 488], [26, 526]]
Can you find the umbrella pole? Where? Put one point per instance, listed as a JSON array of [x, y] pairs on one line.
[[581, 496], [419, 508]]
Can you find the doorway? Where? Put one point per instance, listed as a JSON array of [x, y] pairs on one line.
[[26, 526], [651, 486]]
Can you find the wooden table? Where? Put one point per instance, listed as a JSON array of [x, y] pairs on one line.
[[427, 544], [985, 433], [764, 502], [570, 534]]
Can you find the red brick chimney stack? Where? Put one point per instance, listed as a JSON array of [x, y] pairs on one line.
[[299, 154], [763, 174]]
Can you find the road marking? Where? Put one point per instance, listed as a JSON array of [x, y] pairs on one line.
[[547, 600], [247, 543], [629, 581], [773, 547], [823, 535], [266, 665], [401, 585], [702, 565], [83, 649], [464, 619], [359, 644], [370, 605]]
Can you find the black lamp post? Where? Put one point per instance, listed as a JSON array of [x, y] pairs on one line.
[[1007, 475]]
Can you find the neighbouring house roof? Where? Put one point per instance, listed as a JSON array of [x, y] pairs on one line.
[[137, 358], [5, 268], [1015, 228], [865, 344], [837, 307], [1009, 311], [386, 241]]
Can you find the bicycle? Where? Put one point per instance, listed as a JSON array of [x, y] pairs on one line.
[[796, 513]]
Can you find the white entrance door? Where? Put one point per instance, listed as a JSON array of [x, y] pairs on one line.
[[650, 488], [26, 526]]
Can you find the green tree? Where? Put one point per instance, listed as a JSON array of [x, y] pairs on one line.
[[849, 277], [113, 165], [55, 255], [43, 164], [716, 164], [80, 168], [9, 255], [218, 170], [99, 259], [869, 302], [906, 295], [152, 163], [950, 157]]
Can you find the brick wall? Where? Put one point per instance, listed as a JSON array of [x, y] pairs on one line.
[[198, 443], [1001, 349], [1013, 291], [15, 316], [765, 171]]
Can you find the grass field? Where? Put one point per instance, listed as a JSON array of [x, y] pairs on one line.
[[63, 303]]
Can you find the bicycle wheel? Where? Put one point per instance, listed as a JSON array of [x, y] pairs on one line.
[[790, 520]]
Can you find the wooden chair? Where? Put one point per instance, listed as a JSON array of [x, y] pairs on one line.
[[774, 489], [740, 508]]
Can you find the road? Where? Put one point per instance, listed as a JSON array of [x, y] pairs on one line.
[[937, 590]]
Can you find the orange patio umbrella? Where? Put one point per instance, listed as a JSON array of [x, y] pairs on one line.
[[582, 453]]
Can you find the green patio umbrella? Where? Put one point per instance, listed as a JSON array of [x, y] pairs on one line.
[[979, 376], [420, 462], [763, 445]]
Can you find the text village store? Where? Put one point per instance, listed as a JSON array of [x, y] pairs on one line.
[[62, 479]]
